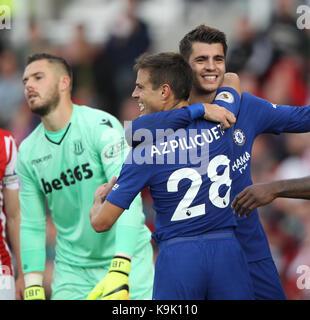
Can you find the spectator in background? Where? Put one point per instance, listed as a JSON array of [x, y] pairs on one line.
[[297, 162], [11, 88], [249, 50], [249, 55], [81, 53], [265, 156], [285, 83], [23, 122], [129, 110], [271, 62], [285, 37], [1, 45], [34, 42], [285, 79], [302, 259], [114, 77]]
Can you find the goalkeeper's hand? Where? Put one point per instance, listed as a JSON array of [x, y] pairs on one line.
[[115, 285], [34, 293], [34, 286]]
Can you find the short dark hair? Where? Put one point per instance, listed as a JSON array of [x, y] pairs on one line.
[[170, 68], [52, 59], [204, 34]]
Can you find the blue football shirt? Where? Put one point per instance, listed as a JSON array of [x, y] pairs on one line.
[[256, 116], [188, 172]]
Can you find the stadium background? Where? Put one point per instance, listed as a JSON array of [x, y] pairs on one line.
[[102, 38]]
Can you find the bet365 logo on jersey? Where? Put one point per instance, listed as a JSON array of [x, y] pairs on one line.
[[67, 178]]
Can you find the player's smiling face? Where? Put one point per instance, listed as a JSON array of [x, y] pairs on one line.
[[148, 98], [41, 87], [208, 64]]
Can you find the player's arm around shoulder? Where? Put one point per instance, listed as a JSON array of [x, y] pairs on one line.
[[223, 109], [232, 80], [103, 214]]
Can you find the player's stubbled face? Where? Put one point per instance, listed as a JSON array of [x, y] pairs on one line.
[[148, 98], [208, 64], [41, 87]]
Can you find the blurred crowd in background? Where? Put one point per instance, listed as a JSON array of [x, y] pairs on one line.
[[265, 47]]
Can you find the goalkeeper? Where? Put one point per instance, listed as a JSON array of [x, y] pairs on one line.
[[72, 151]]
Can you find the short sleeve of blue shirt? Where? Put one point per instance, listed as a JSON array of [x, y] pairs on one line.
[[228, 98]]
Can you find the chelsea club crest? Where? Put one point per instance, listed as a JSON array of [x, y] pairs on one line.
[[239, 137]]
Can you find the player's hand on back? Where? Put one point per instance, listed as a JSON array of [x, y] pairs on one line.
[[252, 197], [103, 190], [100, 195], [216, 113]]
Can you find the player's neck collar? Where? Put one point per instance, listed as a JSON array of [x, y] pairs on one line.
[[57, 137]]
